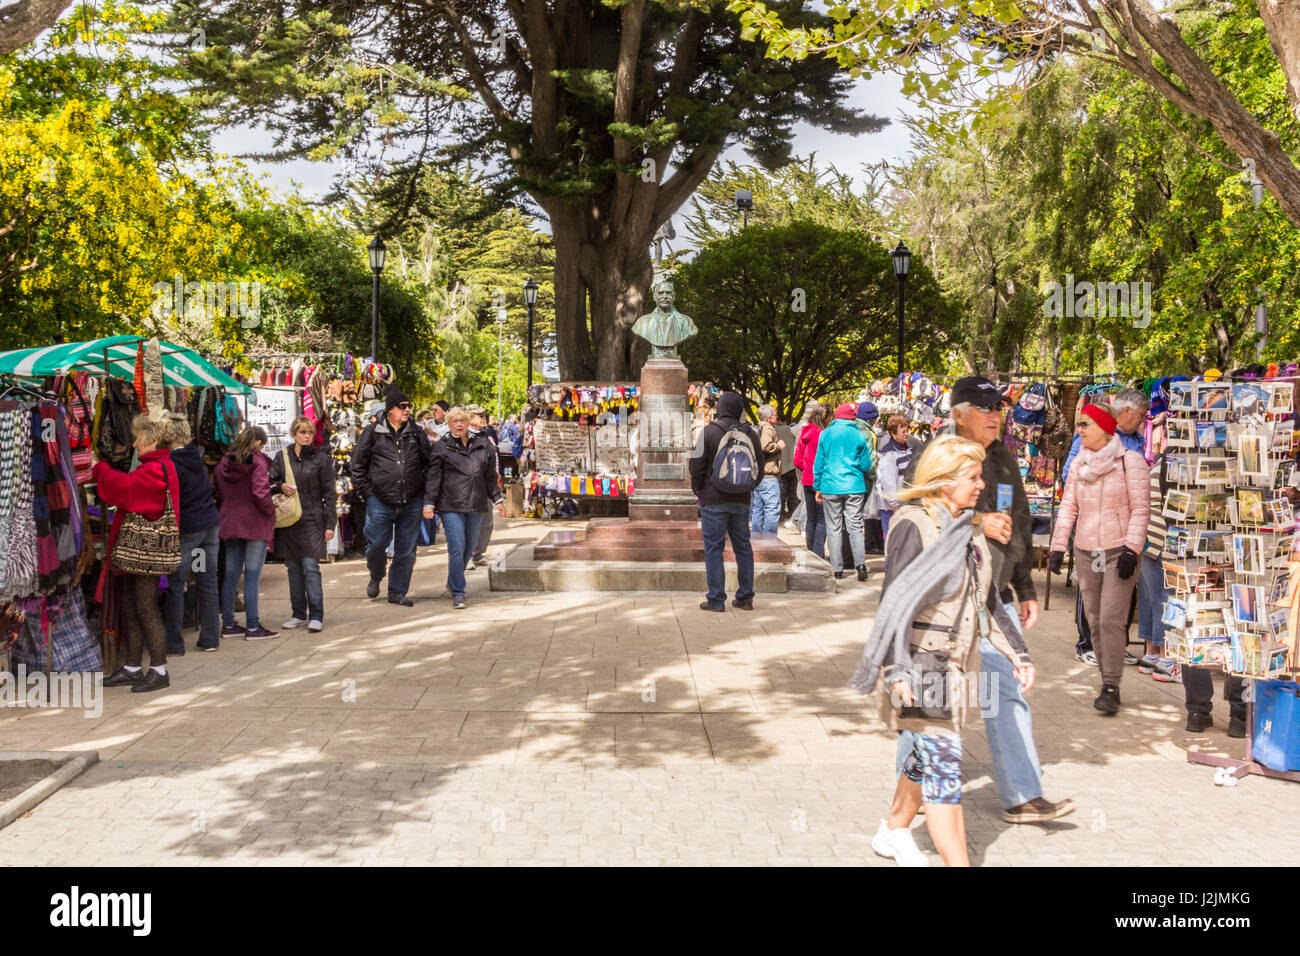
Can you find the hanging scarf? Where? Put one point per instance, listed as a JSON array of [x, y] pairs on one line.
[[935, 574], [1092, 465]]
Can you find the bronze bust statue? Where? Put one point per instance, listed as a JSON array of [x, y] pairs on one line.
[[665, 327]]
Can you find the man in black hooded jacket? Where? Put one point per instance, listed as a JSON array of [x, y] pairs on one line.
[[390, 472], [722, 513]]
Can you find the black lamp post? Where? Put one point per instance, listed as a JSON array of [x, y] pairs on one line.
[[377, 252], [744, 199], [745, 202], [902, 258], [530, 300]]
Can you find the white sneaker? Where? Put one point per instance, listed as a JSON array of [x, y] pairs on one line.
[[315, 625], [292, 623], [1087, 657], [898, 846]]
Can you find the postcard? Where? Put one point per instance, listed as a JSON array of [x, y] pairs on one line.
[[1248, 554], [1248, 604], [1280, 444], [1212, 397], [1250, 506], [1181, 433], [1277, 590], [1280, 512], [1211, 544], [1181, 395], [1211, 470], [1176, 542], [1251, 455], [1282, 474], [1277, 621], [1175, 614], [1249, 397], [1282, 398], [1178, 470], [1178, 503]]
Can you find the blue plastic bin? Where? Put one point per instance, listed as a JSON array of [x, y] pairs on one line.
[[1277, 724]]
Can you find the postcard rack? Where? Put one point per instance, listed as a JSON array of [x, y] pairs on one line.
[[1229, 540]]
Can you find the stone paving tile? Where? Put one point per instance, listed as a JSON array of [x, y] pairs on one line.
[[618, 729]]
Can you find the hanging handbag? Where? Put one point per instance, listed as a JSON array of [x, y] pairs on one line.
[[288, 508], [149, 547], [1057, 432]]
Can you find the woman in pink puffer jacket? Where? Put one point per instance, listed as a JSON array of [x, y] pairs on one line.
[[1107, 505]]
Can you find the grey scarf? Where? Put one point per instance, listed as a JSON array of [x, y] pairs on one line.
[[936, 574]]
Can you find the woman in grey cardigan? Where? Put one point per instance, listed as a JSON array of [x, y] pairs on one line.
[[939, 600]]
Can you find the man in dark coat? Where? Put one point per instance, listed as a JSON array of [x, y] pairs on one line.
[[723, 513], [390, 470]]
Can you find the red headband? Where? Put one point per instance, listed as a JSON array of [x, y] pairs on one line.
[[1104, 420]]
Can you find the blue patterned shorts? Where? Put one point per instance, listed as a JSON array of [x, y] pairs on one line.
[[935, 763]]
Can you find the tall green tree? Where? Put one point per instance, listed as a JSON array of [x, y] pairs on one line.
[[609, 115], [789, 313]]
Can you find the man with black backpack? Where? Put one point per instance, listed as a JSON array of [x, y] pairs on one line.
[[725, 468]]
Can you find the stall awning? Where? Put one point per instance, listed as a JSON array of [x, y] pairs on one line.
[[181, 366]]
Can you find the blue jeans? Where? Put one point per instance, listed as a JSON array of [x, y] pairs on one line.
[[716, 522], [399, 524], [461, 530], [247, 556], [1151, 602], [198, 554], [1010, 729], [814, 527], [765, 506], [306, 597]]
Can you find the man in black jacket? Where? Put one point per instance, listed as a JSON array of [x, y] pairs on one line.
[[390, 472], [721, 513]]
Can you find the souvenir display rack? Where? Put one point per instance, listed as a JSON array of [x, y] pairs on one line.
[[570, 431], [1230, 540]]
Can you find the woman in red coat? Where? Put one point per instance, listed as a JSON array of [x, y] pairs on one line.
[[805, 455], [144, 492]]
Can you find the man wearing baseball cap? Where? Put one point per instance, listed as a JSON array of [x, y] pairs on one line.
[[977, 413]]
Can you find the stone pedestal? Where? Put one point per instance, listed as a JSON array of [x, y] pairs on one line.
[[663, 486]]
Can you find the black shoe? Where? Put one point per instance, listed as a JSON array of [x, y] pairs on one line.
[[154, 681], [402, 599], [372, 589], [1236, 727], [706, 606], [838, 575], [743, 605], [1199, 722], [122, 677], [207, 647], [1108, 702], [177, 650], [863, 571]]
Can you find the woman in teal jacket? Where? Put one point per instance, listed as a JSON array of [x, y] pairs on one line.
[[840, 478]]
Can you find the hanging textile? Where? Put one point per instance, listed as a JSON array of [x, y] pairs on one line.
[[153, 377], [19, 569], [64, 620], [137, 379]]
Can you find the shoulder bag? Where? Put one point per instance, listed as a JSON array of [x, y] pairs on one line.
[[288, 508], [149, 547]]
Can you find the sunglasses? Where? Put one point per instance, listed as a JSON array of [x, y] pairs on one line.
[[404, 406], [987, 409]]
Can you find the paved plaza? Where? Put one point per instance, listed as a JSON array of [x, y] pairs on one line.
[[597, 728]]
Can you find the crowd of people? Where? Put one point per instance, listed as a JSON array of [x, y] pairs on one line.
[[954, 518], [438, 468]]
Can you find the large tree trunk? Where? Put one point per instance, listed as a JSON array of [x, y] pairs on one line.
[[23, 22], [1136, 28]]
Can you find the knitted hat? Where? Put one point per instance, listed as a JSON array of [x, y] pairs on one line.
[[868, 412], [847, 410], [394, 396]]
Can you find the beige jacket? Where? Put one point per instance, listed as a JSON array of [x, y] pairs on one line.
[[768, 440], [969, 696]]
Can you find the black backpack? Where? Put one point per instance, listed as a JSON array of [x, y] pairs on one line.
[[735, 465]]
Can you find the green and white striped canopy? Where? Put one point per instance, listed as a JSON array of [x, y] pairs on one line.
[[181, 366]]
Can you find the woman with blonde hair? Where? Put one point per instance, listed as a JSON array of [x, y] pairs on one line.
[[302, 545], [939, 600]]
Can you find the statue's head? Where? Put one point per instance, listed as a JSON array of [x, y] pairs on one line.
[[663, 293]]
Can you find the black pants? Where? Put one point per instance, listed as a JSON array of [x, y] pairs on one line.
[[143, 622], [789, 493], [1198, 688]]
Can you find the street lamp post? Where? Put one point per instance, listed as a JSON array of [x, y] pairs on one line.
[[902, 258], [744, 199], [501, 328], [530, 300], [377, 251]]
